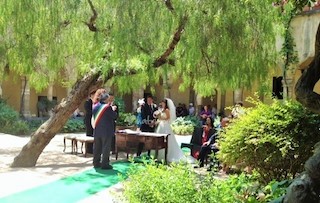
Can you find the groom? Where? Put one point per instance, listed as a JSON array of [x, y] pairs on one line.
[[148, 121]]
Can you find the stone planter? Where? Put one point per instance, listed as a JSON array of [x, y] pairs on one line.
[[183, 139]]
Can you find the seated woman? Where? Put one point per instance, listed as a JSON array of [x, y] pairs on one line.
[[208, 138], [205, 113], [211, 145]]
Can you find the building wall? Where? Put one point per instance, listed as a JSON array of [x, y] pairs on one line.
[[12, 92]]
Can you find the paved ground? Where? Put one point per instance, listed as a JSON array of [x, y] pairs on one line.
[[53, 164]]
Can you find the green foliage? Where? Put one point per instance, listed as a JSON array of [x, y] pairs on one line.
[[185, 125], [73, 125], [35, 123], [179, 183], [7, 114], [161, 183], [126, 119], [242, 188], [226, 44], [120, 104], [10, 121], [275, 139]]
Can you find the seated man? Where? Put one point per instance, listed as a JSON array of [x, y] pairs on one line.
[[207, 147]]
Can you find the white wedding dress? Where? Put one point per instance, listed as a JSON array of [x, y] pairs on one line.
[[174, 154]]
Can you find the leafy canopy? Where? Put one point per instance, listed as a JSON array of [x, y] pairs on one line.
[[221, 44]]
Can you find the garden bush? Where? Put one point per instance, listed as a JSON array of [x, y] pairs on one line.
[[74, 125], [275, 139], [185, 125], [10, 121], [161, 183], [126, 119], [179, 183]]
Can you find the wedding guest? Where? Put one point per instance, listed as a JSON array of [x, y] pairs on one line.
[[104, 116], [208, 139], [191, 110], [179, 110], [87, 120], [185, 111], [96, 97], [237, 110], [205, 113]]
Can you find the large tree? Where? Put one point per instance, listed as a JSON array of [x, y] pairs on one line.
[[208, 44]]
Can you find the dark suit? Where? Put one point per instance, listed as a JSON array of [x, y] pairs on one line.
[[103, 133], [147, 117], [87, 122]]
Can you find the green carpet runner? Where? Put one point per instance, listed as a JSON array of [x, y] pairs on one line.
[[72, 188]]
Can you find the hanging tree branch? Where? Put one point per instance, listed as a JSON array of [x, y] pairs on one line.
[[92, 22], [176, 38]]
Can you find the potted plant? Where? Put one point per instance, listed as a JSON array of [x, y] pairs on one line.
[[183, 128]]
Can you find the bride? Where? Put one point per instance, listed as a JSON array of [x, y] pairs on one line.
[[166, 115]]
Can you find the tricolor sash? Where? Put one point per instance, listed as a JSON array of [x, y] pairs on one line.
[[97, 116]]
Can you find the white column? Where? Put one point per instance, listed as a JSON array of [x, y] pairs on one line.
[[199, 102], [50, 92], [238, 95]]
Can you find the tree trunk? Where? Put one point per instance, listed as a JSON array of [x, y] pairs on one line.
[[30, 153]]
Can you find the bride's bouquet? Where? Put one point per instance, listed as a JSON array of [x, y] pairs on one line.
[[157, 113]]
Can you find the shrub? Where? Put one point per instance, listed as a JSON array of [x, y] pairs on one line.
[[34, 124], [161, 184], [179, 183], [126, 119], [10, 121], [274, 139], [185, 125], [73, 125], [241, 188], [120, 104]]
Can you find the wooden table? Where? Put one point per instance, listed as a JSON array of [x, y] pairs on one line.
[[128, 141]]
